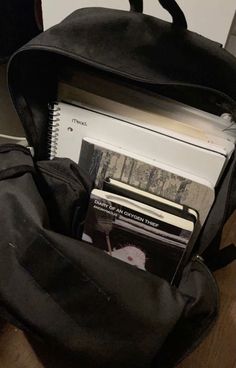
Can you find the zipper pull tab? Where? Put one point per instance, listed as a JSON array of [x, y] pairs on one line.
[[198, 258]]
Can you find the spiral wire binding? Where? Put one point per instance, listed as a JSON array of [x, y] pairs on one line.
[[53, 128]]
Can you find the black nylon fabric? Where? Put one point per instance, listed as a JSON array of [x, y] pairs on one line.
[[136, 5], [65, 189], [220, 211], [102, 311], [170, 5], [140, 46], [192, 327]]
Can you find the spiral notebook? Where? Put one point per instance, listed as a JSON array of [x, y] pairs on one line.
[[69, 124]]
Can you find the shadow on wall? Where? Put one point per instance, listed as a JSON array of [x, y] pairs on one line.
[[231, 40]]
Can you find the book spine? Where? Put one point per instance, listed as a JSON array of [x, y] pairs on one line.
[[183, 212], [87, 161]]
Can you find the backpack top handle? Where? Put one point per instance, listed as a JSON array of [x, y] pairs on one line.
[[171, 6]]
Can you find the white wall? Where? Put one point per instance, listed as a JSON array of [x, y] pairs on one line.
[[211, 18]]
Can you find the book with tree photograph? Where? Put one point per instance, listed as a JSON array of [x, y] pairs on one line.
[[101, 161]]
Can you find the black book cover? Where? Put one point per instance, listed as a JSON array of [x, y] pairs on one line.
[[137, 237]]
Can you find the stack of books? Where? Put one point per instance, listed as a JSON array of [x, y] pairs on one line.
[[155, 164]]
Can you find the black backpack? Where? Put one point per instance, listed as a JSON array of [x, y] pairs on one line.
[[92, 308]]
